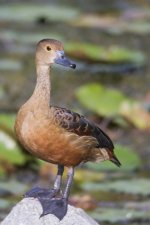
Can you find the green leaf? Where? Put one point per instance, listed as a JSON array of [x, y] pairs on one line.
[[8, 120], [121, 216], [9, 150], [112, 54], [2, 92], [129, 159], [10, 64], [111, 103], [137, 27], [135, 113], [133, 186], [31, 12], [101, 100], [13, 186], [26, 38], [4, 204]]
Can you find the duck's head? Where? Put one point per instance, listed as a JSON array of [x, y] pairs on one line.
[[50, 51]]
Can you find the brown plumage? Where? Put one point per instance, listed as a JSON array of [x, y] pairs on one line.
[[78, 124], [58, 135]]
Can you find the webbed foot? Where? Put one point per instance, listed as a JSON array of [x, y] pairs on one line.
[[38, 192], [55, 206]]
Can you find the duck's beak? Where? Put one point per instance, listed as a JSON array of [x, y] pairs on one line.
[[62, 60]]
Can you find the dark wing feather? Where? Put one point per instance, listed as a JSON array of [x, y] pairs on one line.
[[78, 124], [73, 122]]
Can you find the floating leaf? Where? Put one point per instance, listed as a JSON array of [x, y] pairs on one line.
[[139, 27], [112, 54], [90, 176], [9, 150], [8, 120], [135, 113], [128, 158], [7, 64], [27, 37], [4, 204], [115, 25], [31, 12], [111, 102], [2, 92], [120, 216], [133, 186], [101, 100], [93, 20], [13, 186]]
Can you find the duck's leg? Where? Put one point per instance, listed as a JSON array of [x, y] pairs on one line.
[[69, 183], [43, 193], [58, 206]]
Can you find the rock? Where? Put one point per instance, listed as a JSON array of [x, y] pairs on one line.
[[28, 211]]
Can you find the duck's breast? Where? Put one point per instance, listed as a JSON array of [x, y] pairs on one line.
[[45, 139]]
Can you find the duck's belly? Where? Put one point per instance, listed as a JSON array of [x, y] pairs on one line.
[[50, 142]]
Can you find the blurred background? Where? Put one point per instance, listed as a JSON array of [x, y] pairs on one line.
[[110, 43]]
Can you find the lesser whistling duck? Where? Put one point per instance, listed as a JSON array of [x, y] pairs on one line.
[[58, 135]]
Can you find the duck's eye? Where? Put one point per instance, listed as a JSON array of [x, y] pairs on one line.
[[48, 48]]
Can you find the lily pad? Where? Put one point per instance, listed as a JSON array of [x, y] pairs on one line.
[[31, 12], [8, 120], [4, 204], [114, 216], [9, 150], [137, 27], [129, 159], [103, 101], [134, 186], [90, 176], [136, 113], [2, 92], [116, 25], [13, 186], [111, 102], [27, 37], [12, 65], [112, 54]]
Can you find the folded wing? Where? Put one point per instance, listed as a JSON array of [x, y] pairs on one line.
[[78, 124]]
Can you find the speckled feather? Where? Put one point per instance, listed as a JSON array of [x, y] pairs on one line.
[[78, 124]]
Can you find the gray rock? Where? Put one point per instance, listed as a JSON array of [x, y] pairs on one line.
[[28, 211]]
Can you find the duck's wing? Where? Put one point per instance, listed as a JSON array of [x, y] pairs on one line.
[[78, 124]]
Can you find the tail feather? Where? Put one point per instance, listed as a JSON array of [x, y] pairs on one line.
[[115, 161]]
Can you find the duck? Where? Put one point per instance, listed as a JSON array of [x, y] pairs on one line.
[[58, 135]]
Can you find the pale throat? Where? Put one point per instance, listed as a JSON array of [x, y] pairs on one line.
[[41, 94]]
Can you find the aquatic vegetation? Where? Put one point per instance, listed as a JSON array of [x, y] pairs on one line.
[[109, 102], [132, 21], [17, 12], [13, 186], [11, 152], [10, 65], [135, 186], [119, 215], [111, 44], [110, 54]]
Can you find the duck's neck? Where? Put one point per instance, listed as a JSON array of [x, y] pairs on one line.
[[41, 94]]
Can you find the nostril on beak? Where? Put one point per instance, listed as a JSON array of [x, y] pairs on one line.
[[73, 66]]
